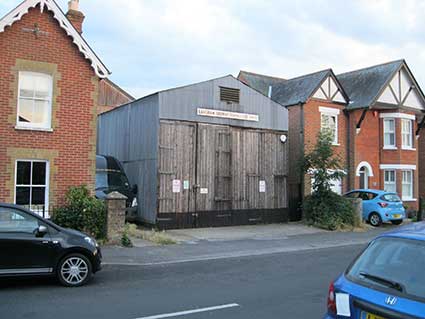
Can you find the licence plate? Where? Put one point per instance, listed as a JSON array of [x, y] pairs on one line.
[[397, 216], [366, 315]]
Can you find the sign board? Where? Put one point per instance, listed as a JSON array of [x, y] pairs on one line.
[[262, 186], [228, 115], [204, 190], [186, 185], [176, 186]]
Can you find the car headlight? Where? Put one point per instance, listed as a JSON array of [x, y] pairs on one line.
[[91, 241], [134, 202]]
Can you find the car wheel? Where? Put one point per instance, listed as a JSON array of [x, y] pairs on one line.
[[375, 219], [74, 270], [397, 222]]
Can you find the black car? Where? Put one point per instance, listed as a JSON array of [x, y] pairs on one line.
[[31, 245], [111, 177]]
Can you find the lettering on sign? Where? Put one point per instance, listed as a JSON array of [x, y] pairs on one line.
[[176, 186], [228, 115]]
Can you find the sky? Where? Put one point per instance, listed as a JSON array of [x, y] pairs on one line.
[[151, 45]]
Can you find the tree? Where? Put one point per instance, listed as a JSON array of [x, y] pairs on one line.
[[323, 164]]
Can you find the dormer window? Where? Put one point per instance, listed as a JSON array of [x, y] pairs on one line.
[[34, 100]]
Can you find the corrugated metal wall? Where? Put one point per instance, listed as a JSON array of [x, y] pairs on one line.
[[130, 133]]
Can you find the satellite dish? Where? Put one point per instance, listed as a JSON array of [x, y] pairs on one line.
[[283, 138]]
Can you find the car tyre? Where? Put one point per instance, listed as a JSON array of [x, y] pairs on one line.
[[375, 219], [397, 222], [74, 270]]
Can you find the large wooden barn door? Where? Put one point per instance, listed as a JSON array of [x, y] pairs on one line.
[[176, 168]]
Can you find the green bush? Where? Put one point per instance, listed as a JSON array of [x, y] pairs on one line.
[[328, 210], [82, 212]]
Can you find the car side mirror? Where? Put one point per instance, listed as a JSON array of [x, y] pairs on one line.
[[135, 189], [41, 231]]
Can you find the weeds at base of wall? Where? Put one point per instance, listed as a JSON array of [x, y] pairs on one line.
[[156, 237]]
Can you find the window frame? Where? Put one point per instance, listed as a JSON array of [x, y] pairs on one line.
[[394, 183], [30, 125], [389, 146], [409, 133], [46, 186], [333, 113], [411, 195]]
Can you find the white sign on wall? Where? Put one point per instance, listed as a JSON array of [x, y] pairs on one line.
[[228, 115], [186, 185], [262, 186], [204, 191], [176, 186]]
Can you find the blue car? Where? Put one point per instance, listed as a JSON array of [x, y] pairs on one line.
[[386, 281], [379, 206]]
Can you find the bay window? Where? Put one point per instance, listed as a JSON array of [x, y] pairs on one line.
[[407, 185], [390, 181], [389, 133], [406, 133]]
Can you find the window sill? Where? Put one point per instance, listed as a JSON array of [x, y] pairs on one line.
[[409, 199], [336, 144], [408, 148], [389, 148], [41, 129]]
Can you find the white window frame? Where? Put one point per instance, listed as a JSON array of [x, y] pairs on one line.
[[389, 146], [46, 194], [408, 134], [403, 183], [35, 126], [392, 183], [331, 112]]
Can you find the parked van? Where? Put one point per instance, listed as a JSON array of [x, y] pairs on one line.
[[110, 177]]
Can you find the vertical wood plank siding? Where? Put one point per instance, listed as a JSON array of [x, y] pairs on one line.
[[229, 162]]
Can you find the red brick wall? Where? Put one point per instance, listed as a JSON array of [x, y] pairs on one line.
[[368, 145], [312, 126], [74, 130]]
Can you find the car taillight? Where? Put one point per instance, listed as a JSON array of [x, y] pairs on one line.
[[383, 205], [331, 300]]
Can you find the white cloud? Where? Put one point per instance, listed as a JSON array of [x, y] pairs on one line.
[[154, 45]]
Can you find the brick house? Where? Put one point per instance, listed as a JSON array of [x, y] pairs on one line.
[[374, 113], [49, 92]]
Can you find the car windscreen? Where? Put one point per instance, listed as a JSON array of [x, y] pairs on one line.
[[111, 179], [392, 263], [391, 198]]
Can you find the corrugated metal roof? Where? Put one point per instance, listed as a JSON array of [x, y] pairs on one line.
[[363, 86]]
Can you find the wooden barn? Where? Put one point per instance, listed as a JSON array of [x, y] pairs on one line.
[[208, 154]]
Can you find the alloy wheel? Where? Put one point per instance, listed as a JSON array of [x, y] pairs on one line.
[[74, 270]]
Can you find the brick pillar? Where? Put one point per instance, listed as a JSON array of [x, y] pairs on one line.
[[115, 217]]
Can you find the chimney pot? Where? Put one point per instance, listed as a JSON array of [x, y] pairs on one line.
[[75, 15]]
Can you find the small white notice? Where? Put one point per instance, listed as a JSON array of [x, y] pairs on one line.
[[204, 191], [176, 186], [186, 185], [343, 305], [262, 186]]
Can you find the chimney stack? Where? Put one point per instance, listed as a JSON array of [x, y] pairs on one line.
[[75, 15]]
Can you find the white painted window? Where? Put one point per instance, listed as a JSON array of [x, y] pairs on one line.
[[34, 100], [31, 185], [407, 185], [389, 133], [406, 133], [329, 122], [390, 181]]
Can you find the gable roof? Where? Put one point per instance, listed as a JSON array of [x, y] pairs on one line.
[[299, 90], [365, 85], [259, 82], [22, 9]]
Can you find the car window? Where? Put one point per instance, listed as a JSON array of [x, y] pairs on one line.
[[396, 259], [352, 195], [16, 221], [367, 195], [391, 198]]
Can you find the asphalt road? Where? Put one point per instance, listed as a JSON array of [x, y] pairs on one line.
[[289, 285]]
